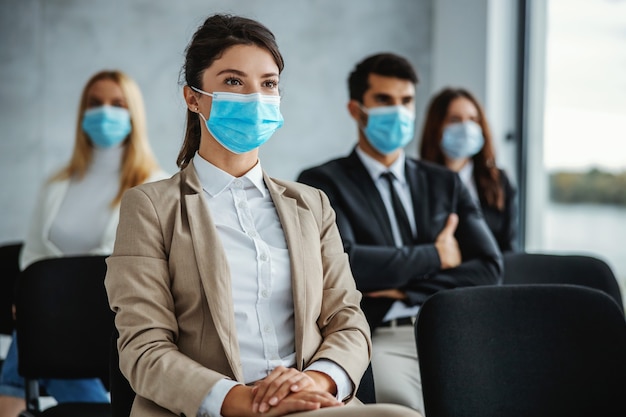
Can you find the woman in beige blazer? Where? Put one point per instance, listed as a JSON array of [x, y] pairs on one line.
[[232, 292]]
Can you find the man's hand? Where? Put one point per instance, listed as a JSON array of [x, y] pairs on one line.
[[390, 293], [446, 244]]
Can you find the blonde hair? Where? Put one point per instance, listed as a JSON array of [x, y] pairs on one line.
[[138, 161]]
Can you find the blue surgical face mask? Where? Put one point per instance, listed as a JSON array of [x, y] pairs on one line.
[[242, 122], [106, 126], [389, 127], [462, 140]]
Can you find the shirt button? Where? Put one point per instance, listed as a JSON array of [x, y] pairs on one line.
[[242, 204], [237, 183], [264, 293], [263, 257], [267, 329], [252, 233]]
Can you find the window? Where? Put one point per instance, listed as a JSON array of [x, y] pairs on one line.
[[584, 133]]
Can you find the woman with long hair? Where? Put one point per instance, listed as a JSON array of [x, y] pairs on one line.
[[456, 134]]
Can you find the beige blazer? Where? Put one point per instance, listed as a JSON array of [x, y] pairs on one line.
[[169, 283]]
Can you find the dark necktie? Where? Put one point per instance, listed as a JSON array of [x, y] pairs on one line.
[[403, 221]]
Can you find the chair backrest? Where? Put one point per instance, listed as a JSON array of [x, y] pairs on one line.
[[522, 350], [366, 392], [64, 322], [538, 268], [9, 271], [122, 394]]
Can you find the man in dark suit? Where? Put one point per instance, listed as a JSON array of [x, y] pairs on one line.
[[409, 227]]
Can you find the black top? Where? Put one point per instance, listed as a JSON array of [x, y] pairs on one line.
[[503, 224]]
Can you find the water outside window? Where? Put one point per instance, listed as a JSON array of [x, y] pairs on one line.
[[585, 130]]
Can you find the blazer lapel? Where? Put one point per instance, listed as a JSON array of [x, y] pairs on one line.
[[287, 209], [213, 268], [364, 183], [420, 199]]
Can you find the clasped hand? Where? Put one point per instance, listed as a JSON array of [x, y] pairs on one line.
[[287, 390], [307, 388]]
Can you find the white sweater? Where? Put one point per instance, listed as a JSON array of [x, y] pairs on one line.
[[86, 209], [75, 217]]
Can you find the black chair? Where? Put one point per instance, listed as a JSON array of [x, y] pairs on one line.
[[64, 327], [366, 392], [122, 394], [9, 270], [536, 268], [522, 350]]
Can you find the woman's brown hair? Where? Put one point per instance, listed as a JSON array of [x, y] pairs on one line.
[[218, 33]]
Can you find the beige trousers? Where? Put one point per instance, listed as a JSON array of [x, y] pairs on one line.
[[396, 368], [361, 410]]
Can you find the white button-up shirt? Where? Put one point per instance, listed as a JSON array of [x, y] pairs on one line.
[[256, 250], [467, 177], [376, 169]]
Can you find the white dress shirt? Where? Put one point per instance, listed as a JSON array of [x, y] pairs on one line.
[[376, 169], [254, 242], [467, 177]]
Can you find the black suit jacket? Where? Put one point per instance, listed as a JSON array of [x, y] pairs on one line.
[[503, 223], [376, 262]]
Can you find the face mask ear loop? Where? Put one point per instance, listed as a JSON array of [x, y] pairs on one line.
[[201, 92], [197, 90], [362, 126]]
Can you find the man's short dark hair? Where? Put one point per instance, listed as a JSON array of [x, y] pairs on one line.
[[386, 64]]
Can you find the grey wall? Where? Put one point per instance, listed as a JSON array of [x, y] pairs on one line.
[[475, 46], [49, 48]]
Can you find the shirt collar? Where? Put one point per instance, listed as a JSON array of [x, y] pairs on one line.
[[375, 168], [214, 181], [466, 172]]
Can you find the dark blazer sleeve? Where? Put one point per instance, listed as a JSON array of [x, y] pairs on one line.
[[509, 242], [481, 257], [504, 223], [375, 261]]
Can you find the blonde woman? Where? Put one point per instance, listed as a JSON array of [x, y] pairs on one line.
[[78, 208]]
